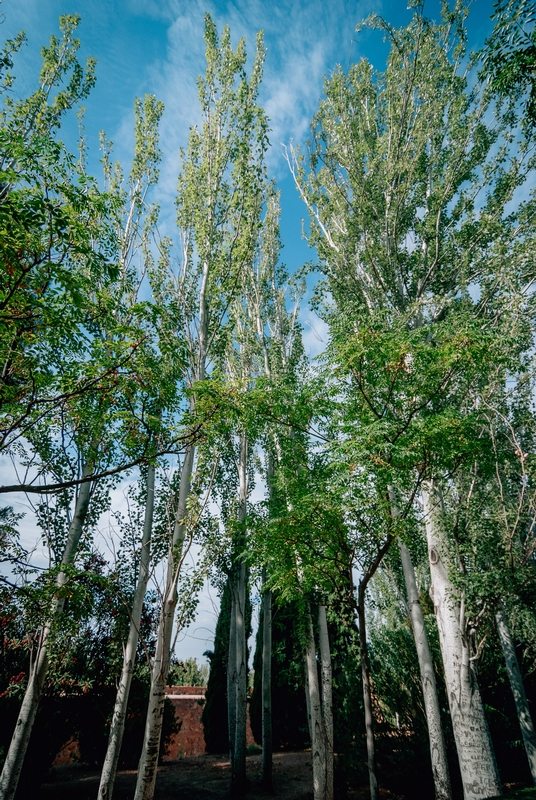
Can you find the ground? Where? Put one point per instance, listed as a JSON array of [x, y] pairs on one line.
[[207, 778], [195, 778]]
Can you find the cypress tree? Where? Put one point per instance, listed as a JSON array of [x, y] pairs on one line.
[[214, 716], [289, 713]]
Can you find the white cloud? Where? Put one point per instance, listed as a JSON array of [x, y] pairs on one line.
[[315, 335]]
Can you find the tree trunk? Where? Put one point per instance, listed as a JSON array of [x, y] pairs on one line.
[[232, 680], [129, 657], [23, 729], [238, 696], [518, 690], [155, 713], [267, 743], [367, 695], [438, 752], [316, 722], [238, 778], [327, 696], [478, 769]]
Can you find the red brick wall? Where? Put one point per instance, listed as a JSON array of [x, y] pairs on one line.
[[189, 741], [68, 753], [188, 702]]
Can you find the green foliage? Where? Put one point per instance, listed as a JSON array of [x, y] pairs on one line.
[[509, 58], [214, 716], [188, 673], [86, 659], [400, 715], [289, 714], [412, 179]]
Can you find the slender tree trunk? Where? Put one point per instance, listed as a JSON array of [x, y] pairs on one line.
[[129, 657], [267, 743], [239, 774], [316, 721], [23, 729], [327, 696], [438, 751], [475, 753], [237, 642], [153, 726], [155, 713], [232, 680], [518, 690], [367, 695]]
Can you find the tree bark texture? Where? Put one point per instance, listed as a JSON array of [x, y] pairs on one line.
[[367, 695], [117, 727], [316, 721], [155, 713], [237, 640], [267, 743], [327, 697], [478, 769], [438, 752], [23, 728], [232, 680], [518, 690]]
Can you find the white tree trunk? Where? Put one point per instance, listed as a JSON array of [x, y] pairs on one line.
[[155, 713], [129, 657], [267, 743], [367, 694], [23, 729], [518, 690], [478, 769], [327, 696], [438, 752], [316, 721]]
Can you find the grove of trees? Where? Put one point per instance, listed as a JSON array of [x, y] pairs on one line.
[[394, 553]]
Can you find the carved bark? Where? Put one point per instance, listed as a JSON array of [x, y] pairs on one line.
[[23, 728], [117, 727], [478, 769], [438, 752], [518, 690], [316, 721]]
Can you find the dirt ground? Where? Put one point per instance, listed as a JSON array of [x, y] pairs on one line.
[[195, 778]]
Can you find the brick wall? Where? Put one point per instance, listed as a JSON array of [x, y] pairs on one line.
[[188, 702], [189, 741]]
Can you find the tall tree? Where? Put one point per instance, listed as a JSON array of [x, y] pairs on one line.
[[218, 214], [407, 187]]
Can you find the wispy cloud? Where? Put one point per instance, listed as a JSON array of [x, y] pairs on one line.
[[304, 41]]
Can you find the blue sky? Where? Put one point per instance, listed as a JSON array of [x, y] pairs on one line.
[[156, 46]]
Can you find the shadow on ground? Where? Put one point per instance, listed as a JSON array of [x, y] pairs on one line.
[[195, 778]]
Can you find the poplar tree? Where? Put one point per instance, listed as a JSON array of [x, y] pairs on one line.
[[407, 185], [218, 215]]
